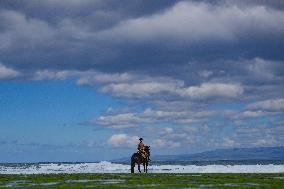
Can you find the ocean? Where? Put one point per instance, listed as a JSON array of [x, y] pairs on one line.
[[252, 166]]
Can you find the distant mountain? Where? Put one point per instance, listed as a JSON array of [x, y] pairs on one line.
[[259, 153]]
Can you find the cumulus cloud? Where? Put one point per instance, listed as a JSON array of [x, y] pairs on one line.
[[69, 36], [167, 130], [116, 139], [104, 78], [118, 121], [272, 3], [271, 104], [160, 143], [88, 77], [53, 75], [256, 135], [119, 139], [143, 86], [263, 70], [20, 29], [205, 73], [161, 114], [213, 89], [138, 89], [123, 120], [8, 73], [184, 138], [249, 114], [152, 86], [253, 114], [131, 85], [131, 141], [200, 21]]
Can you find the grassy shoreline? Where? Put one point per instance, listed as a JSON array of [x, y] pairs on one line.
[[152, 180]]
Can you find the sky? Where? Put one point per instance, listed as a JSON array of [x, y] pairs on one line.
[[84, 80]]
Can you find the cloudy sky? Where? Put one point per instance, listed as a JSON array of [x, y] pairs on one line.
[[83, 80]]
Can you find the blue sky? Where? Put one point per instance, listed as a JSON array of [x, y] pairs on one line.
[[83, 80]]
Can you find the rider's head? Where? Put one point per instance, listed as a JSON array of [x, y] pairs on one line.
[[141, 139]]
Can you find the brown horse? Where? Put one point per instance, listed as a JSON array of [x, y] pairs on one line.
[[138, 158]]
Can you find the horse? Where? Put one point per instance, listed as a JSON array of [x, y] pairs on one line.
[[138, 158]]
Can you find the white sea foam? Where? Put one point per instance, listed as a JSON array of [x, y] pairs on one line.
[[108, 167]]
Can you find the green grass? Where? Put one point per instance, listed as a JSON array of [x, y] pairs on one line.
[[157, 180]]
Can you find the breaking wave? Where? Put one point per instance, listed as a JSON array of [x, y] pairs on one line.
[[108, 167]]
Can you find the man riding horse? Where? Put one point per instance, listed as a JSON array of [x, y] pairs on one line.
[[141, 149], [142, 156]]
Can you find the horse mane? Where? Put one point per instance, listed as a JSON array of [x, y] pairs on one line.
[[147, 149]]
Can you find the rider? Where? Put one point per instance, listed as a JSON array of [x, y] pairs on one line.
[[141, 148]]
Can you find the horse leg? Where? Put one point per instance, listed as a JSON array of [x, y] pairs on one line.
[[139, 168], [132, 166], [144, 167]]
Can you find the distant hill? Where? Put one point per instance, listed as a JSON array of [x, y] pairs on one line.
[[260, 153]]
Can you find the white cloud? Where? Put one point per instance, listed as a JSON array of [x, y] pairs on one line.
[[169, 86], [122, 120], [240, 117], [118, 121], [140, 88], [131, 85], [119, 139], [168, 130], [20, 29], [160, 114], [261, 68], [199, 21], [92, 78], [88, 77], [252, 114], [118, 117], [158, 143], [51, 74], [113, 77], [212, 90], [256, 135], [187, 121], [272, 104], [205, 73], [228, 142], [177, 105], [116, 139], [8, 73]]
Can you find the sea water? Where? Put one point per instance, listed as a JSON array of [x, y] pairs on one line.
[[154, 167]]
